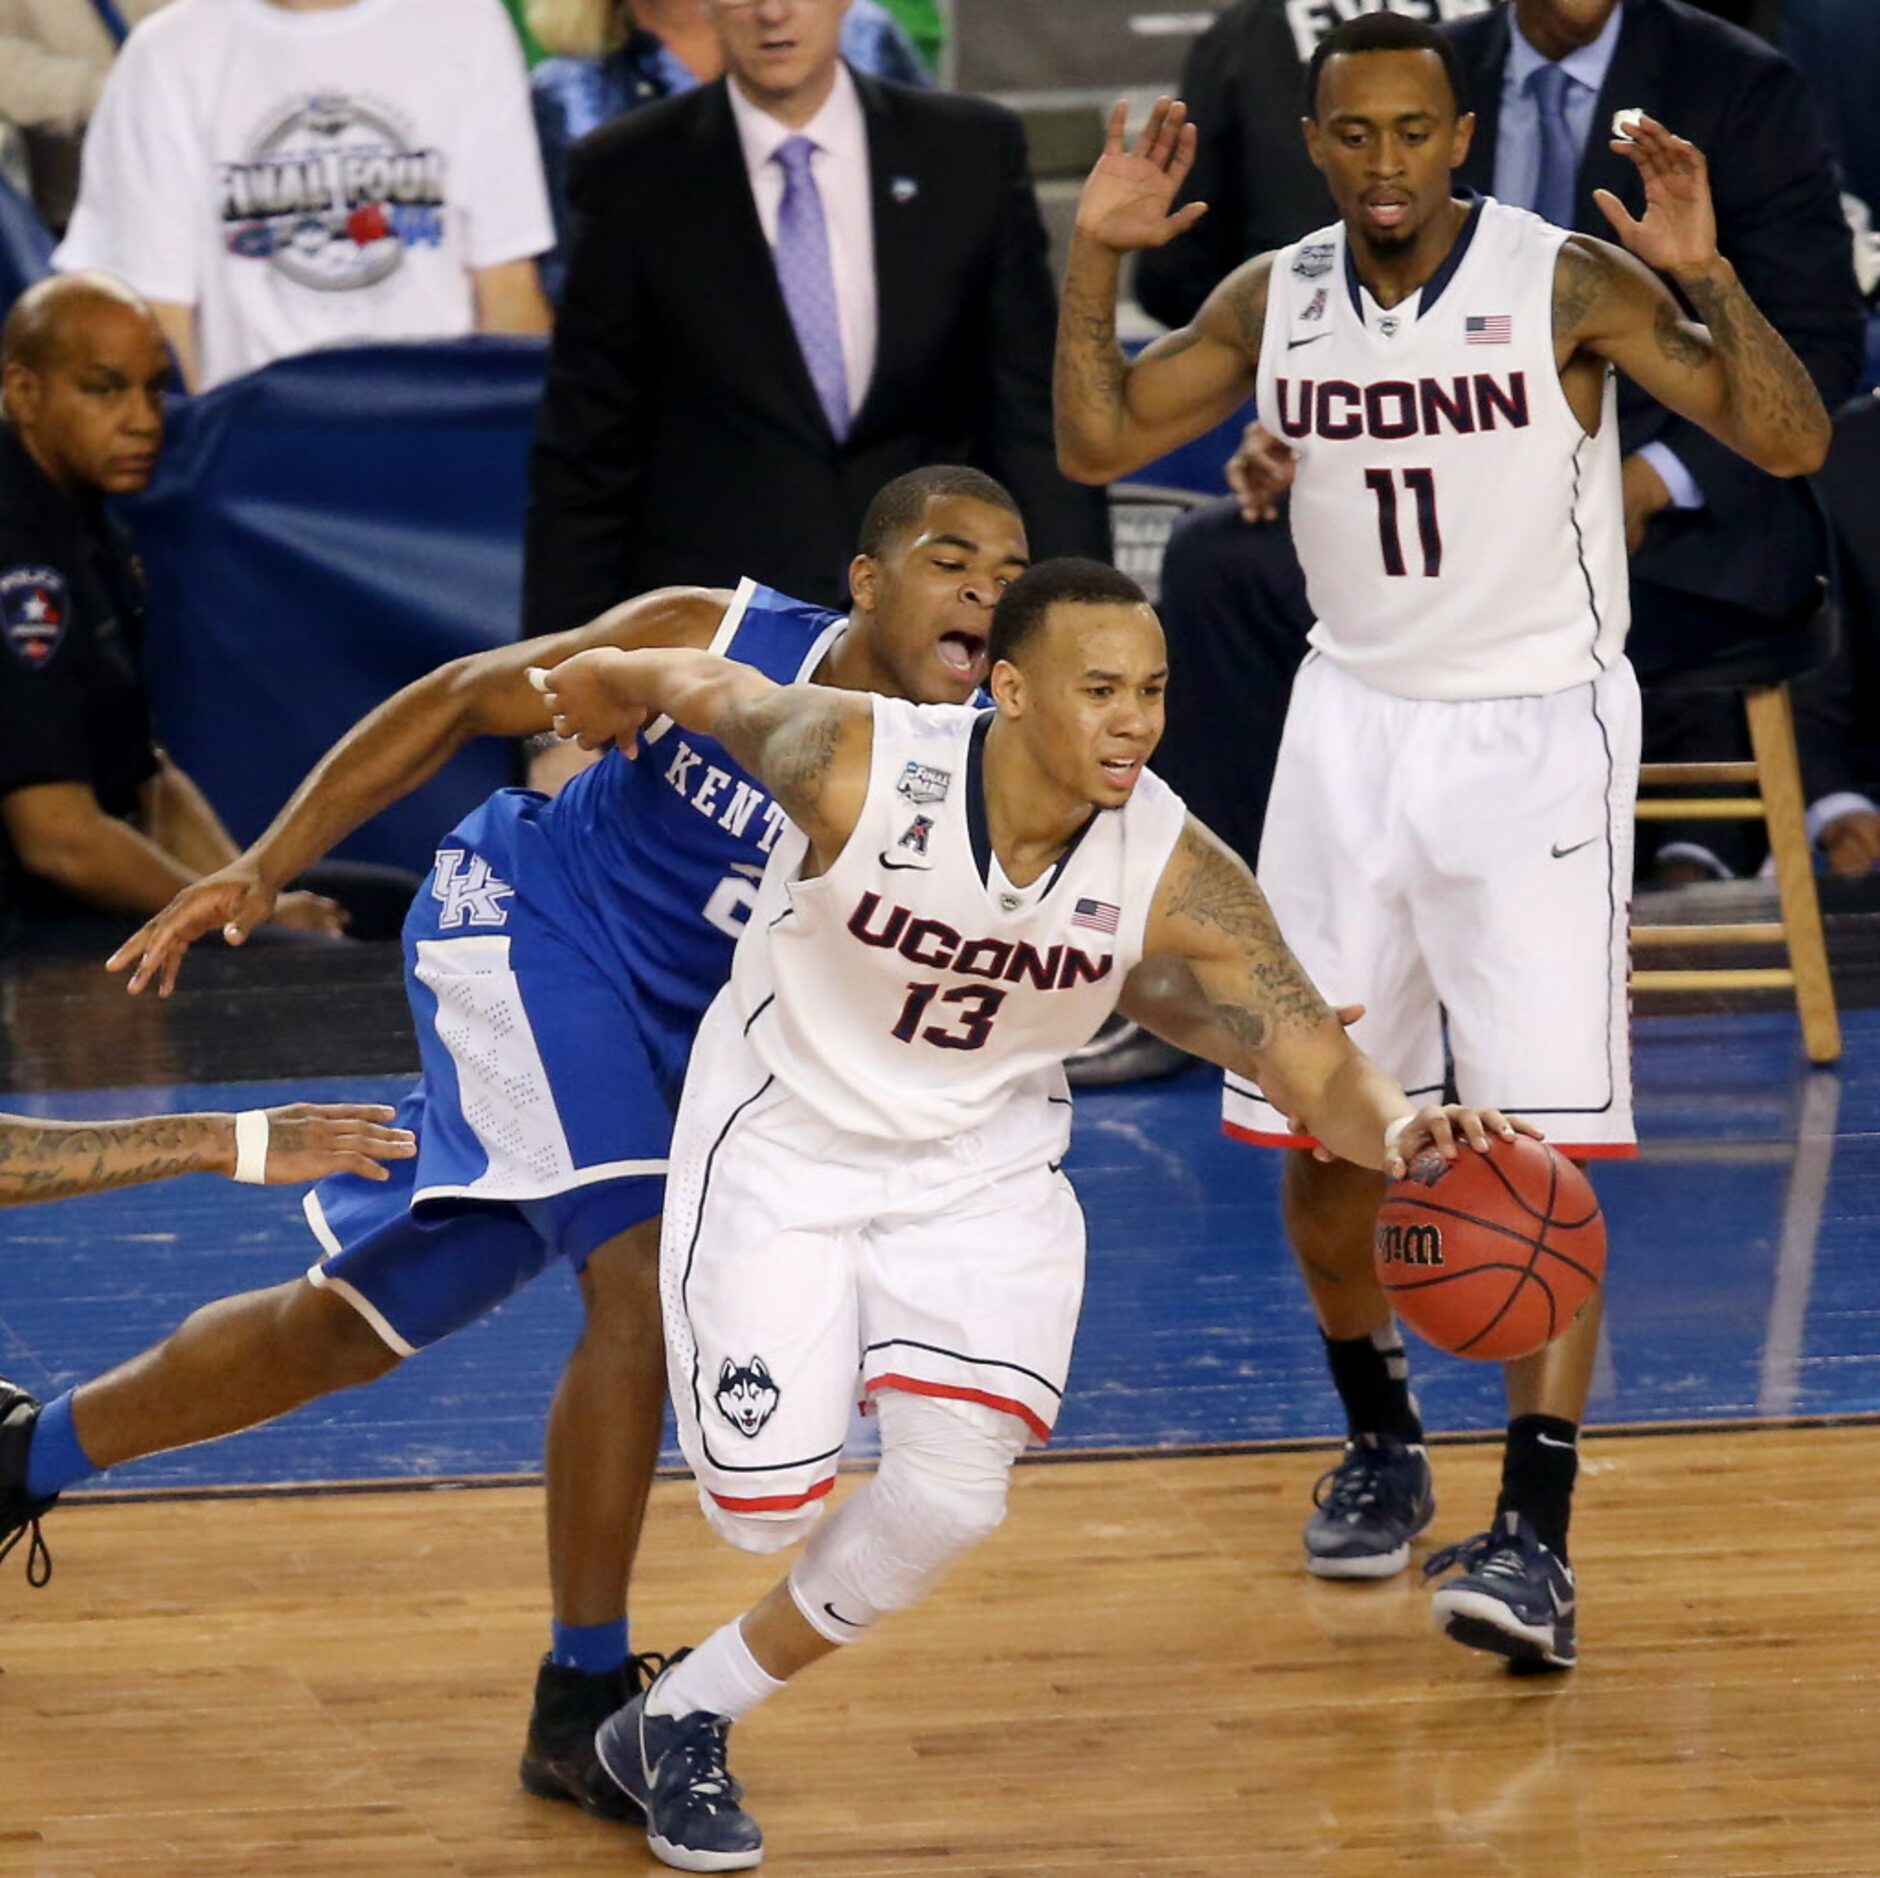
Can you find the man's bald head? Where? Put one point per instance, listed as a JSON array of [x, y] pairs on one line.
[[82, 369], [54, 311]]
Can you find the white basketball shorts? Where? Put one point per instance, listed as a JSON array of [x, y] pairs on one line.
[[803, 1267], [1466, 864]]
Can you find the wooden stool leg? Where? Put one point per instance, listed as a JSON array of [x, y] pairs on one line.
[[1772, 737]]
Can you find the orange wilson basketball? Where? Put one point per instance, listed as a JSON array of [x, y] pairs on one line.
[[1491, 1255]]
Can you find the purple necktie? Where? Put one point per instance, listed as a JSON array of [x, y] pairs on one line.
[[809, 282], [1560, 160]]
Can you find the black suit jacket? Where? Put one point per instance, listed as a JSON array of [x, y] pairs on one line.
[[680, 438], [1758, 542]]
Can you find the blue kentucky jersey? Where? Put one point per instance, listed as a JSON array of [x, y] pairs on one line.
[[664, 852]]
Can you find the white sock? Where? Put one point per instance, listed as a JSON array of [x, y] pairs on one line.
[[721, 1676]]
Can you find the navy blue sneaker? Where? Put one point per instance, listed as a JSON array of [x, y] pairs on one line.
[[558, 1760], [1370, 1506], [19, 1513], [1514, 1597], [673, 1768]]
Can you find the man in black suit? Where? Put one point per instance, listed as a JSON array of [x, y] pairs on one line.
[[785, 289]]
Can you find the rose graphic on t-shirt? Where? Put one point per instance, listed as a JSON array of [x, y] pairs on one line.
[[333, 194]]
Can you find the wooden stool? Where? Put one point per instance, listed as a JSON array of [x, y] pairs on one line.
[[1760, 670]]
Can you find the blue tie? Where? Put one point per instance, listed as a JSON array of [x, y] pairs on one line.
[[1560, 157], [808, 281]]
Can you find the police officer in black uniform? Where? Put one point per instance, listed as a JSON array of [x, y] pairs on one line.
[[94, 818]]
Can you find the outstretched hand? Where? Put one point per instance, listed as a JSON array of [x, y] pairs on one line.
[[1128, 195], [1678, 230], [584, 704], [309, 1140], [233, 898]]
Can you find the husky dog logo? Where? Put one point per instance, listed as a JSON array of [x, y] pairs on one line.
[[746, 1396]]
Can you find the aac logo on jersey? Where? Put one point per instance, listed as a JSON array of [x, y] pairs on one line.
[[746, 1395], [914, 836]]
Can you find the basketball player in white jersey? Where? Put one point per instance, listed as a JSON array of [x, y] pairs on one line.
[[1449, 835], [865, 1194]]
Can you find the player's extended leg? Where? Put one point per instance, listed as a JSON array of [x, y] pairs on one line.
[[602, 1447], [231, 1365], [940, 1490], [1378, 1497]]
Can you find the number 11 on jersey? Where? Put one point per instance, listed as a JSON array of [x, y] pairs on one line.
[[1422, 484]]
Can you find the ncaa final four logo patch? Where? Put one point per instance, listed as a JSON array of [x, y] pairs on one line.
[[923, 782], [34, 608]]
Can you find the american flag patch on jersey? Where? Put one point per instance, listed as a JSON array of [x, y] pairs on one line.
[[1487, 329], [1099, 915]]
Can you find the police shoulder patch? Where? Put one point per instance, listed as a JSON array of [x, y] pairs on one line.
[[35, 608]]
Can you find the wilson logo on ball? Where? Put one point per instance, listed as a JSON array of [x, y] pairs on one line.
[[1409, 1245]]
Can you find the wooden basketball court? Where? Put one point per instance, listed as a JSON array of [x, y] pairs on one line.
[[1134, 1676]]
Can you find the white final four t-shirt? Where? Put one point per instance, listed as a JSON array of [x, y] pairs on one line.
[[312, 178]]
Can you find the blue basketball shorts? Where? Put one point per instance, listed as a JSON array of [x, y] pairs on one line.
[[542, 1123]]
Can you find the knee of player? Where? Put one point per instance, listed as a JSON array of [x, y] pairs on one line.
[[924, 1511], [321, 1331]]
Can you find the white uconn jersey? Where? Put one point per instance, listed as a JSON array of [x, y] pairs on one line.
[[1461, 535], [912, 990]]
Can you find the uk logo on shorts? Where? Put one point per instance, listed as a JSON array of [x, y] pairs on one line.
[[746, 1396], [34, 609], [470, 894]]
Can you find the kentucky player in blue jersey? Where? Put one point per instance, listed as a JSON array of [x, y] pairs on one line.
[[558, 961]]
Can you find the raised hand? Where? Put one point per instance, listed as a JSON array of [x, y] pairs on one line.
[[234, 897], [309, 1140], [1127, 197], [1678, 230], [586, 706]]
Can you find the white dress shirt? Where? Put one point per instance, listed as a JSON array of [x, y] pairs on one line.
[[840, 167]]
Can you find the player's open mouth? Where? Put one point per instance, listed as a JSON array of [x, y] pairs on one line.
[[1387, 211], [964, 653], [1121, 769]]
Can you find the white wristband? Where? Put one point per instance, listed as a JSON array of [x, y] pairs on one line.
[[1394, 1134], [251, 1146]]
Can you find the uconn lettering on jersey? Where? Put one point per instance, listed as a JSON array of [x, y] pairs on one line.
[[704, 786], [934, 944], [1336, 409]]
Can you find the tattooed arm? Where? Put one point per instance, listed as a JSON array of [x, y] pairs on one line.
[[1260, 1015], [306, 1141], [809, 745], [1734, 374], [1113, 415]]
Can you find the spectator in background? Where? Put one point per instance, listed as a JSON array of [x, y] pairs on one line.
[[1720, 552], [94, 818], [54, 57], [276, 175], [612, 56], [784, 289]]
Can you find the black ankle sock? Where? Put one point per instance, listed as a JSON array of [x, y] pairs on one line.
[[1537, 1473], [1372, 1377]]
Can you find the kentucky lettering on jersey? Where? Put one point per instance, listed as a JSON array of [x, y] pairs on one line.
[[726, 796], [911, 992], [1462, 535]]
